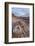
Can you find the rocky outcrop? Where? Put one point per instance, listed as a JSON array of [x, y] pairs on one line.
[[20, 28]]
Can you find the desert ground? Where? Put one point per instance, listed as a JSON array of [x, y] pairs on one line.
[[20, 27]]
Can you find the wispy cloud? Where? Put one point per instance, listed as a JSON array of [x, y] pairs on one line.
[[20, 11]]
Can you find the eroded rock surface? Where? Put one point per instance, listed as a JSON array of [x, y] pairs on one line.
[[20, 28]]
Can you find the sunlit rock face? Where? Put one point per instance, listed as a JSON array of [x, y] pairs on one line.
[[20, 28]]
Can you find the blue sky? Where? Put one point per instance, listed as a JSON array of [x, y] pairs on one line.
[[20, 11]]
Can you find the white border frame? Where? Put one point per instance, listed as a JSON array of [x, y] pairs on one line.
[[10, 23]]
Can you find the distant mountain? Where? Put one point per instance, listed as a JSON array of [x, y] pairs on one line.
[[26, 15]]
